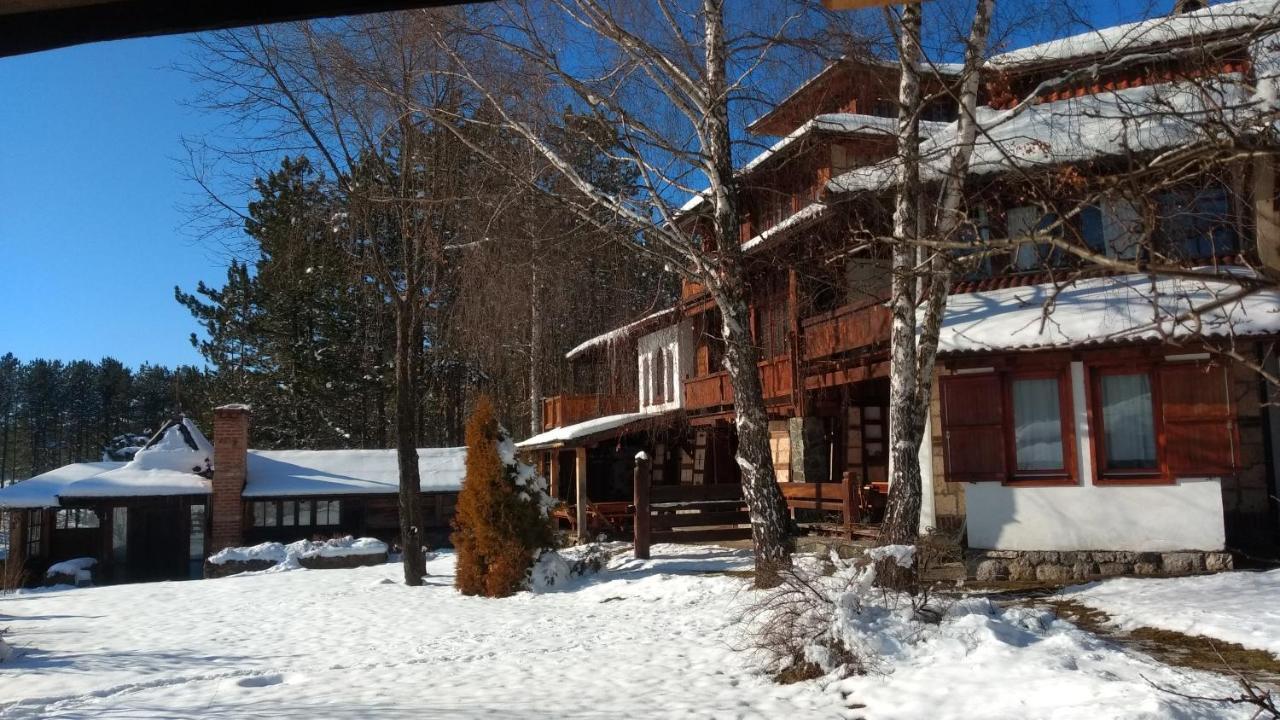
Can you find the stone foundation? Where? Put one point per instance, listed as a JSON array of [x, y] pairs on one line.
[[1073, 566]]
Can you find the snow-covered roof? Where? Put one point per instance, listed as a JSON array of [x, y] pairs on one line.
[[851, 124], [1229, 17], [1103, 310], [803, 216], [271, 473], [620, 333], [569, 433], [178, 460], [1121, 122], [42, 490]]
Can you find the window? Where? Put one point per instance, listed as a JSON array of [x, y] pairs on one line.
[[35, 533], [76, 518], [1026, 225], [1127, 425], [1113, 227], [119, 534], [1196, 224], [264, 513], [1128, 421], [1013, 427], [304, 512], [287, 515], [1037, 425], [660, 377], [195, 546], [328, 512]]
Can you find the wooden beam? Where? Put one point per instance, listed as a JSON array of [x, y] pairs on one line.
[[37, 25], [580, 495]]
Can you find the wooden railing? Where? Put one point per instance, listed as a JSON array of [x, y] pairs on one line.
[[851, 327], [563, 410], [691, 513], [842, 508], [715, 390]]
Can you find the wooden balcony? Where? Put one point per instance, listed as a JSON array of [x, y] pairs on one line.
[[690, 290], [563, 410], [715, 390], [852, 327]]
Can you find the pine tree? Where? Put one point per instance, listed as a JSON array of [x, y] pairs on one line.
[[501, 524]]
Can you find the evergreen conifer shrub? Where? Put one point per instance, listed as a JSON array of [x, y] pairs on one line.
[[502, 522]]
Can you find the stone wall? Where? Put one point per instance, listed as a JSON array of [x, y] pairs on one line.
[[1063, 567]]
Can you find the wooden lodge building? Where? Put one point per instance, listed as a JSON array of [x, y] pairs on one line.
[[1097, 434], [182, 498]]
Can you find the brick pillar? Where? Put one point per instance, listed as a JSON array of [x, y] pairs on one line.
[[230, 447]]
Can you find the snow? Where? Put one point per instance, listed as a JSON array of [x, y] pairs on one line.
[[272, 473], [1098, 310], [842, 124], [1121, 122], [620, 333], [288, 555], [1239, 607], [809, 212], [71, 567], [581, 430], [659, 638], [42, 490], [175, 462], [1237, 17]]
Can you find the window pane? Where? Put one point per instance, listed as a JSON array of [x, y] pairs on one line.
[[288, 516], [119, 533], [270, 510], [196, 544], [304, 512], [1130, 437], [259, 514], [1197, 224], [1037, 423]]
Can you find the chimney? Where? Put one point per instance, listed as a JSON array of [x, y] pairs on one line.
[[230, 455]]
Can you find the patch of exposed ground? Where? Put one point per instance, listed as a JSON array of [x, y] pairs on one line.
[[1196, 652]]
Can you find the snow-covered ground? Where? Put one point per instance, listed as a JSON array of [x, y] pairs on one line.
[[656, 639], [1239, 607]]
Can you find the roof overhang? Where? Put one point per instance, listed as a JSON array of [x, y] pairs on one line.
[[28, 26], [592, 432]]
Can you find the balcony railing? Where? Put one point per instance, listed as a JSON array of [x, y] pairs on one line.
[[715, 390], [563, 410], [852, 327]]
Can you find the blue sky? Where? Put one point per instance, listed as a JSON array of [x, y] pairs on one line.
[[92, 237]]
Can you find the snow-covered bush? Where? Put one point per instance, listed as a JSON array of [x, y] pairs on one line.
[[502, 523], [315, 554], [828, 616], [555, 568]]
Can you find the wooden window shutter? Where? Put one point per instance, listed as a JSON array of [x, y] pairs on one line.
[[973, 428], [1199, 427]]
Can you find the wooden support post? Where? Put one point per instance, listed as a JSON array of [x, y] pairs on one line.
[[798, 400], [846, 489], [580, 495], [640, 524]]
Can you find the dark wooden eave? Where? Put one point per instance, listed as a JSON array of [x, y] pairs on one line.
[[28, 26]]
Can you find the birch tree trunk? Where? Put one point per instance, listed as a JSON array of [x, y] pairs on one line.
[[914, 346], [902, 515], [769, 526]]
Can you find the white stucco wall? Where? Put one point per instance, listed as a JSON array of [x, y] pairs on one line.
[[1184, 516], [678, 341]]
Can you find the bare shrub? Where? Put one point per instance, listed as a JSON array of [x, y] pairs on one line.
[[801, 629]]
